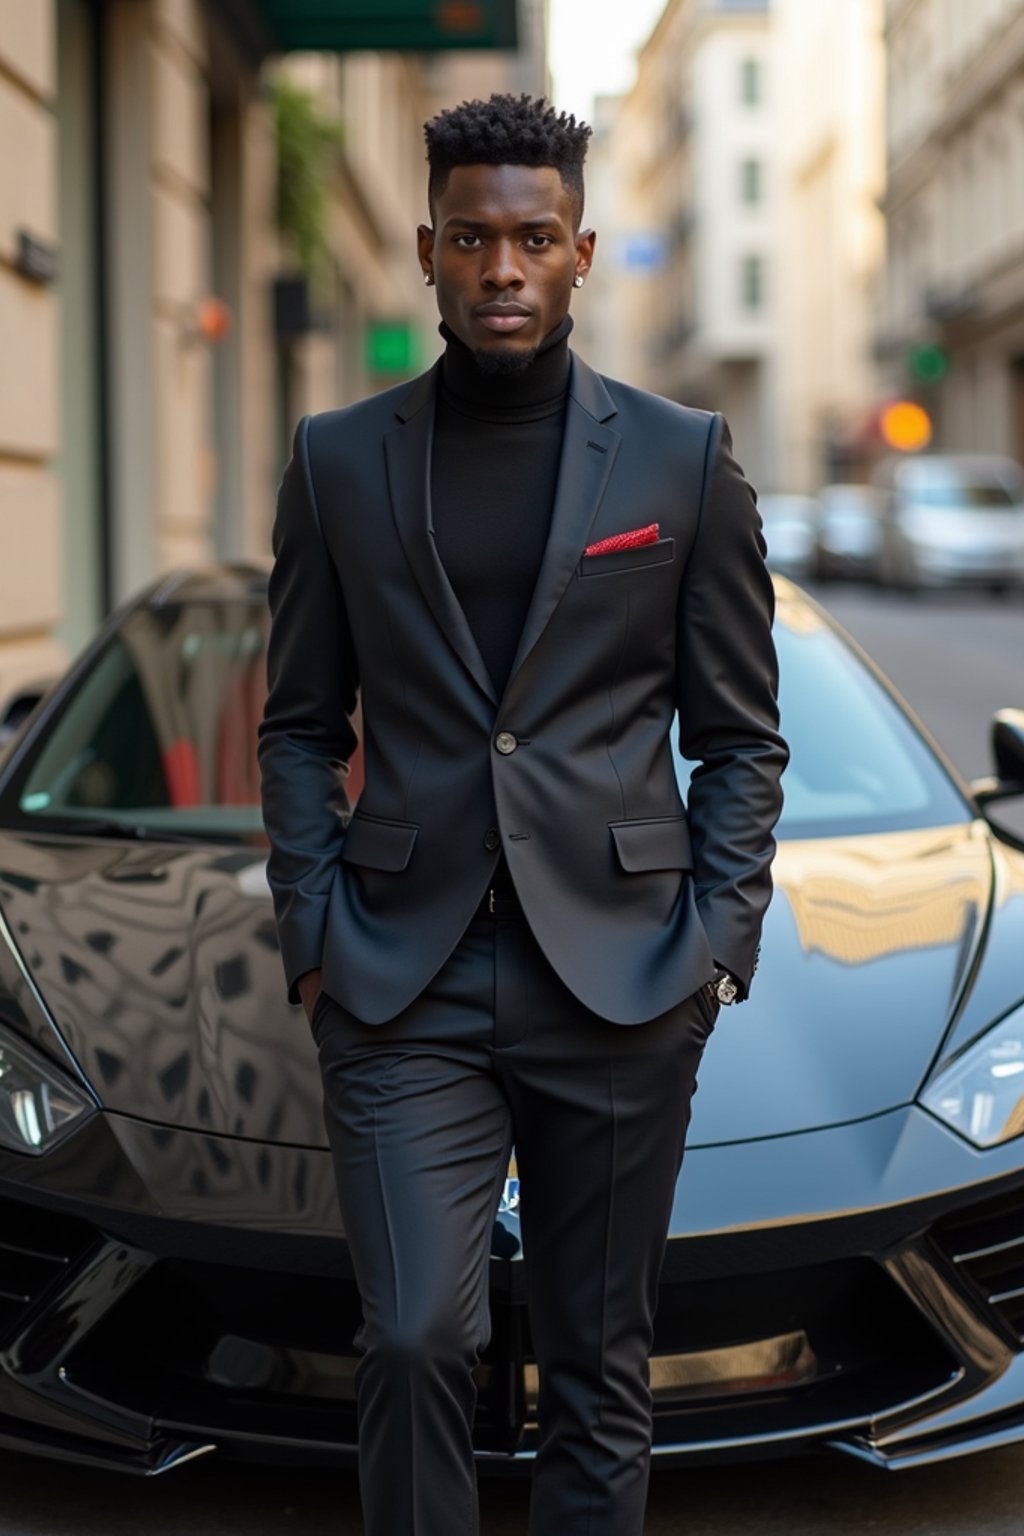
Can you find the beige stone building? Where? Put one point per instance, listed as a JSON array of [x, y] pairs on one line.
[[137, 184], [607, 312], [137, 153], [954, 208], [740, 263], [31, 564], [830, 81], [688, 164]]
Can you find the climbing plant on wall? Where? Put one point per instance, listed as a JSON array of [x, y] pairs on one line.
[[307, 143]]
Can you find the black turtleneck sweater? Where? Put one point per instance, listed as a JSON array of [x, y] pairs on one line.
[[497, 442]]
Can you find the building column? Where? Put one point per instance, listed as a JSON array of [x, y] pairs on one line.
[[30, 512], [85, 596], [127, 152]]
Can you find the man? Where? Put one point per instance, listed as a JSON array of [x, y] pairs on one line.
[[520, 935]]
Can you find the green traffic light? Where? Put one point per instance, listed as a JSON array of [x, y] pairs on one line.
[[928, 364]]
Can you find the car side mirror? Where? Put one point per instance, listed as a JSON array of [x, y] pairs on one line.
[[1007, 741]]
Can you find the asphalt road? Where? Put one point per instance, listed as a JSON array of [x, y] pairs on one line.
[[957, 658]]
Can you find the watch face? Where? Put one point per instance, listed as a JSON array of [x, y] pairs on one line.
[[727, 990]]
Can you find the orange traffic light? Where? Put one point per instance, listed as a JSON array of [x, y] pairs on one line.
[[905, 425]]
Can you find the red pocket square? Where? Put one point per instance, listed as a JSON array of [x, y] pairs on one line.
[[629, 540]]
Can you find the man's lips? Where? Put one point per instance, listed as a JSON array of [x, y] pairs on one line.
[[503, 317]]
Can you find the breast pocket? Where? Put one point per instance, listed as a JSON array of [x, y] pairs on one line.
[[621, 561]]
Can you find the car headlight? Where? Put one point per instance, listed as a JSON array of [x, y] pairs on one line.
[[981, 1093], [39, 1106]]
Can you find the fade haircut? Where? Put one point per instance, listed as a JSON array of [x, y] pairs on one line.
[[507, 130]]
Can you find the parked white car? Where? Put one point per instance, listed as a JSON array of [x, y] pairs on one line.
[[849, 532], [790, 531], [952, 519]]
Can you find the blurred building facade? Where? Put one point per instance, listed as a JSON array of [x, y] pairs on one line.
[[137, 430], [740, 269], [830, 88], [607, 312], [683, 299], [952, 330], [32, 566]]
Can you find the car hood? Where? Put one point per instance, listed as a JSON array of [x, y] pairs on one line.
[[867, 947], [160, 966]]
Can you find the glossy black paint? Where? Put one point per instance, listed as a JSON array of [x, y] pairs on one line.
[[159, 967], [158, 964], [186, 1281]]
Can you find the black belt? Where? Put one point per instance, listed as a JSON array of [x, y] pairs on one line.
[[500, 900]]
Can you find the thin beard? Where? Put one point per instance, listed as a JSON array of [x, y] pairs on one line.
[[504, 362]]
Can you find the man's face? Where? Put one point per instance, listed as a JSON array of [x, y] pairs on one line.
[[503, 254]]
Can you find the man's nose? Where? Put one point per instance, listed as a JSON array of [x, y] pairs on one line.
[[502, 269]]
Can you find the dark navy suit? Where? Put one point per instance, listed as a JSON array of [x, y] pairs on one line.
[[445, 1032]]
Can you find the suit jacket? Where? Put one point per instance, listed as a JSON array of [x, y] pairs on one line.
[[631, 895]]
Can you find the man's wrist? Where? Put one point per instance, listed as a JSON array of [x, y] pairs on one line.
[[307, 988], [724, 984]]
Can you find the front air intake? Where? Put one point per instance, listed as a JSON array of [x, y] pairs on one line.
[[37, 1249], [986, 1245]]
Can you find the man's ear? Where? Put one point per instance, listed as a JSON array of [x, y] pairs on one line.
[[586, 240], [425, 247]]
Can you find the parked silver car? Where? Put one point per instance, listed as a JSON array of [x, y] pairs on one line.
[[952, 519], [849, 532], [790, 523]]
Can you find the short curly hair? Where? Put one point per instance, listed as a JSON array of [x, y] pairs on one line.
[[507, 130]]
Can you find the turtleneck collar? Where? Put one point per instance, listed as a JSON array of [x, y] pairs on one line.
[[538, 391]]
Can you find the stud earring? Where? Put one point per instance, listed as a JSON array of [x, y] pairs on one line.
[[577, 281], [428, 279]]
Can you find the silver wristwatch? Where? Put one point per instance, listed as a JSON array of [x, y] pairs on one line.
[[724, 986]]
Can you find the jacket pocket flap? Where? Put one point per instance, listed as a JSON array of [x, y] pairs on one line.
[[653, 842], [640, 555], [379, 844]]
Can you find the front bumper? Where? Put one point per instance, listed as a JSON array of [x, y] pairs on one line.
[[171, 1293]]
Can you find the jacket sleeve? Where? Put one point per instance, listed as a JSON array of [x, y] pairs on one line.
[[306, 736], [727, 697]]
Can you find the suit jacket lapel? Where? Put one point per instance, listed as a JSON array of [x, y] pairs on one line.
[[588, 453], [589, 449], [407, 450]]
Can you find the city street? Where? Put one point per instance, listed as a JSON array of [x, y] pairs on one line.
[[385, 397], [958, 658]]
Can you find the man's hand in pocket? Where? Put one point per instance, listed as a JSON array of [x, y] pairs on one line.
[[309, 985]]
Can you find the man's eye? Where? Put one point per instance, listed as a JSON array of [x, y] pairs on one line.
[[544, 239], [459, 238]]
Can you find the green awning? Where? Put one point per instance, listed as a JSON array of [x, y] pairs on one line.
[[340, 26]]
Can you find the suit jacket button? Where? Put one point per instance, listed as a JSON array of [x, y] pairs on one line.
[[505, 742], [492, 839]]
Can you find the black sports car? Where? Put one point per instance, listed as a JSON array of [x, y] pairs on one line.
[[846, 1265]]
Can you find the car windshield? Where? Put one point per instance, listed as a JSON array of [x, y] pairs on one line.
[[857, 764], [160, 733], [158, 736]]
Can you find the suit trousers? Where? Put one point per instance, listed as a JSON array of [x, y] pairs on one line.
[[421, 1113]]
